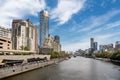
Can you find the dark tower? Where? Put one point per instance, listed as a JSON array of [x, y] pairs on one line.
[[57, 39], [92, 44]]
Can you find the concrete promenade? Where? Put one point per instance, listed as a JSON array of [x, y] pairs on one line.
[[10, 71]]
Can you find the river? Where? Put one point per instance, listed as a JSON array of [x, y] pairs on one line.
[[78, 68]]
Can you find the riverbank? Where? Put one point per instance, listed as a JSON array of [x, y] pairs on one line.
[[10, 71], [109, 60]]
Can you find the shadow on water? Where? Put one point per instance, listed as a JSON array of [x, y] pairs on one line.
[[116, 63]]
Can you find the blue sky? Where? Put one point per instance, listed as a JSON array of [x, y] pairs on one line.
[[75, 21]]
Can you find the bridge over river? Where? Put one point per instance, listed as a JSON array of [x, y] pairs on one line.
[[78, 68]]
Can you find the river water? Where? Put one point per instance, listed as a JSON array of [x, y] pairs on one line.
[[78, 68]]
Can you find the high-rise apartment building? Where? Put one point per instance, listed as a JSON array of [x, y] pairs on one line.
[[24, 33], [44, 26]]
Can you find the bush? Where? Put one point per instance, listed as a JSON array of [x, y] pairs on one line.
[[104, 55], [20, 53], [116, 56], [58, 55]]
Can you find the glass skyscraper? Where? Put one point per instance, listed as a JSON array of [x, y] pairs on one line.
[[44, 26]]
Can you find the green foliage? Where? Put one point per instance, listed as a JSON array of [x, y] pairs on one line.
[[25, 48], [22, 47], [58, 55], [116, 55], [113, 56], [103, 55], [88, 55]]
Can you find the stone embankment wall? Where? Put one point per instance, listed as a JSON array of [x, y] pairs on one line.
[[10, 71]]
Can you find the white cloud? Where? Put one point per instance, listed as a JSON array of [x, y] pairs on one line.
[[112, 25], [103, 4], [96, 21], [106, 27], [113, 1], [65, 9], [99, 23], [15, 9]]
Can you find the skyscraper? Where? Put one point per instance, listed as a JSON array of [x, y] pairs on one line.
[[44, 27], [92, 44], [95, 46]]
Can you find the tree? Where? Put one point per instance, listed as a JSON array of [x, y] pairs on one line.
[[22, 47], [25, 48], [116, 55], [58, 55]]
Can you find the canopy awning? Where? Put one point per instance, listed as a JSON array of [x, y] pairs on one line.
[[2, 63]]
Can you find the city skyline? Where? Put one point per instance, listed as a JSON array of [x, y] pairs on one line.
[[75, 21]]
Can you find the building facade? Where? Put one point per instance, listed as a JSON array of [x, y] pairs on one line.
[[50, 45], [91, 45], [117, 45], [24, 34], [108, 47], [57, 39], [5, 32], [95, 46], [44, 27], [5, 38]]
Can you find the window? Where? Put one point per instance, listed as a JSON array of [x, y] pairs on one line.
[[9, 42], [1, 43], [23, 23], [2, 40], [19, 30]]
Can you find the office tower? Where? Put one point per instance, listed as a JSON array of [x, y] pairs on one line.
[[95, 46], [24, 34], [92, 44], [44, 27]]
